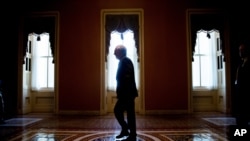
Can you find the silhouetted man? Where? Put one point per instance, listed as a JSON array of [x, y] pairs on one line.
[[126, 93]]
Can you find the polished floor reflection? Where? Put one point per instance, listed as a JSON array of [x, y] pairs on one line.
[[181, 127]]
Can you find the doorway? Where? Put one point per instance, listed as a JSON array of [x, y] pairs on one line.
[[37, 78], [206, 30], [127, 39], [121, 27]]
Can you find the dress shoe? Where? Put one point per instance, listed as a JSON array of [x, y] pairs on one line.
[[130, 138], [123, 134]]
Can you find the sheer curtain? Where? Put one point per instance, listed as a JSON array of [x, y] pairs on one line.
[[204, 66], [42, 68], [34, 66], [127, 39]]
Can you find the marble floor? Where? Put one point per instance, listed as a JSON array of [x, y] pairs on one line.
[[181, 127]]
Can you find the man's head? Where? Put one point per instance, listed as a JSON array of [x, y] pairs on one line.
[[244, 49], [120, 51]]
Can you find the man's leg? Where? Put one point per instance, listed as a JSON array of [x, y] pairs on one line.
[[119, 114], [131, 118]]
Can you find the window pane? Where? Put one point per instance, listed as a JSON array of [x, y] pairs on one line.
[[42, 72], [41, 58], [196, 71], [205, 70], [51, 73], [112, 61]]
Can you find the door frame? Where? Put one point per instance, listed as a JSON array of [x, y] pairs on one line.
[[20, 61], [226, 54], [103, 91]]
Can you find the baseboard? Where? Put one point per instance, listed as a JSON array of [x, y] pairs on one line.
[[165, 112], [70, 112]]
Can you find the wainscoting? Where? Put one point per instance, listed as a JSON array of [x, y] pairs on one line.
[[42, 101], [208, 101]]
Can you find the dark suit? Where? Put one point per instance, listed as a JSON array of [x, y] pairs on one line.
[[242, 102], [126, 93]]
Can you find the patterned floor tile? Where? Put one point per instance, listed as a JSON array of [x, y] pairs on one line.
[[64, 135]]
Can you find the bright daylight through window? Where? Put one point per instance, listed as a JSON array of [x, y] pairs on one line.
[[204, 66], [127, 39], [42, 67]]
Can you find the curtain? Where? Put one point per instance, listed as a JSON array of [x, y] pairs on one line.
[[39, 25], [207, 22], [34, 66], [121, 23]]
